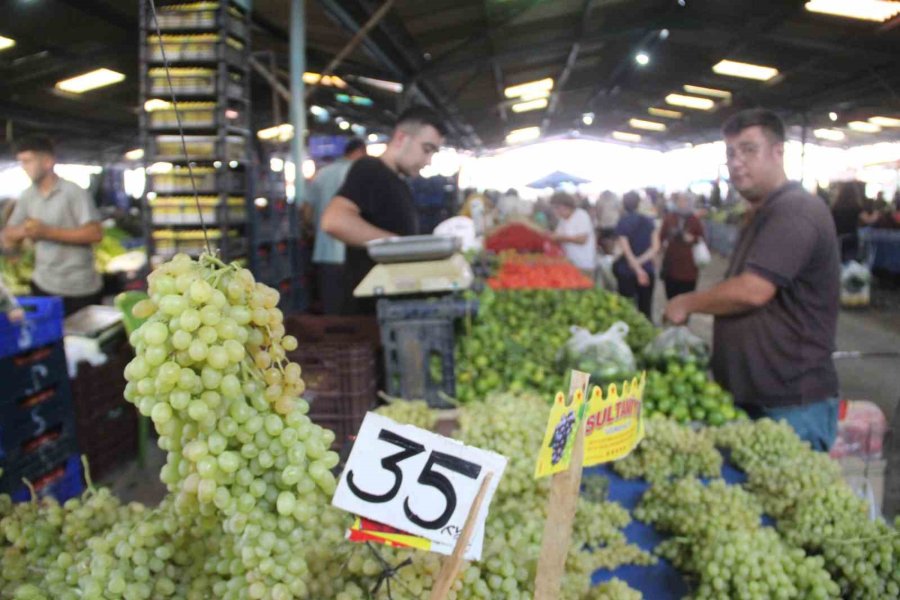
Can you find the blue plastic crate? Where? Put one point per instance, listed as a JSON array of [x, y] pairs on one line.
[[43, 324], [62, 482]]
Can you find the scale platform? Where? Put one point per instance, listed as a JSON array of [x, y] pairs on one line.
[[393, 279]]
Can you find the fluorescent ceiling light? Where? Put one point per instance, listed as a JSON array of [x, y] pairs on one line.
[[328, 80], [534, 95], [648, 125], [690, 101], [642, 58], [587, 118], [624, 136], [6, 43], [833, 135], [867, 10], [662, 112], [863, 127], [389, 86], [885, 121], [705, 91], [745, 70], [528, 89], [156, 104], [136, 154], [280, 133], [530, 105], [523, 135], [90, 81]]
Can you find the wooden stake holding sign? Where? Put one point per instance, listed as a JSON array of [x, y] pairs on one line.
[[452, 564], [606, 428], [388, 490], [564, 489]]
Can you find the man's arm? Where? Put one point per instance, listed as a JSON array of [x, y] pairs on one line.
[[342, 220], [12, 236], [745, 292], [571, 239], [83, 235]]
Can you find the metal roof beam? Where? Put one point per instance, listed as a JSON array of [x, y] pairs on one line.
[[569, 65]]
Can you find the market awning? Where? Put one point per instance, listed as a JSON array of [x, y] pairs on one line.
[[556, 179]]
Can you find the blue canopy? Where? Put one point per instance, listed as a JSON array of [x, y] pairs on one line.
[[556, 179]]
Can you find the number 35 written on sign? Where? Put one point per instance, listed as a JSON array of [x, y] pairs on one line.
[[428, 477], [416, 481]]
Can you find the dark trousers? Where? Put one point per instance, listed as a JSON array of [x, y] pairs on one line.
[[676, 288], [331, 287], [641, 295], [71, 304]]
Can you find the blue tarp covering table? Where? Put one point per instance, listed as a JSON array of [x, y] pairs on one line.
[[656, 582], [883, 246]]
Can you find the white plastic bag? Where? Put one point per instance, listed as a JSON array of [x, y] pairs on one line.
[[700, 250], [607, 355], [855, 284]]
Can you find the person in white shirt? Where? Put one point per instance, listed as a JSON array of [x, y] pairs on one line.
[[575, 232]]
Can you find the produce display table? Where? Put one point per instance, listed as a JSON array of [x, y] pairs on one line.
[[661, 581], [883, 247]]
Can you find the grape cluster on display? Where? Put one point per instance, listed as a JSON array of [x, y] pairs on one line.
[[670, 450], [561, 436]]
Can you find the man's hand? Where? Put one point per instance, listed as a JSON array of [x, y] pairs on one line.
[[642, 277], [677, 310], [35, 229]]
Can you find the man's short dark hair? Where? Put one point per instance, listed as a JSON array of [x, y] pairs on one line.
[[771, 124], [421, 115], [35, 143], [631, 201], [353, 144]]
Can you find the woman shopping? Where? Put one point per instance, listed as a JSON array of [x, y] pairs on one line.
[[638, 241], [681, 229]]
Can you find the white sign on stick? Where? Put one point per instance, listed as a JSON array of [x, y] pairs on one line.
[[417, 481]]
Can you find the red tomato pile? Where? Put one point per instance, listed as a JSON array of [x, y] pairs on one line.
[[522, 238], [532, 273]]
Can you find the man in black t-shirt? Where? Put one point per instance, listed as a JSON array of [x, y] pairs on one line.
[[375, 202]]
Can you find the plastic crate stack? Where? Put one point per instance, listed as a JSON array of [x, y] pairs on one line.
[[277, 254], [338, 357], [106, 424], [418, 341], [207, 46], [37, 424]]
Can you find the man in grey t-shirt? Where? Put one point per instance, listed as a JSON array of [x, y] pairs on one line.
[[63, 222], [776, 311]]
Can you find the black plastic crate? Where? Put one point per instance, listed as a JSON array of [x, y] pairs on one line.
[[419, 361], [447, 307], [31, 371]]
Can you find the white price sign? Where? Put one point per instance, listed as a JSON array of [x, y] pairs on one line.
[[417, 481]]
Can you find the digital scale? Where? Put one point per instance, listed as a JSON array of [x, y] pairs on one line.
[[418, 264]]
